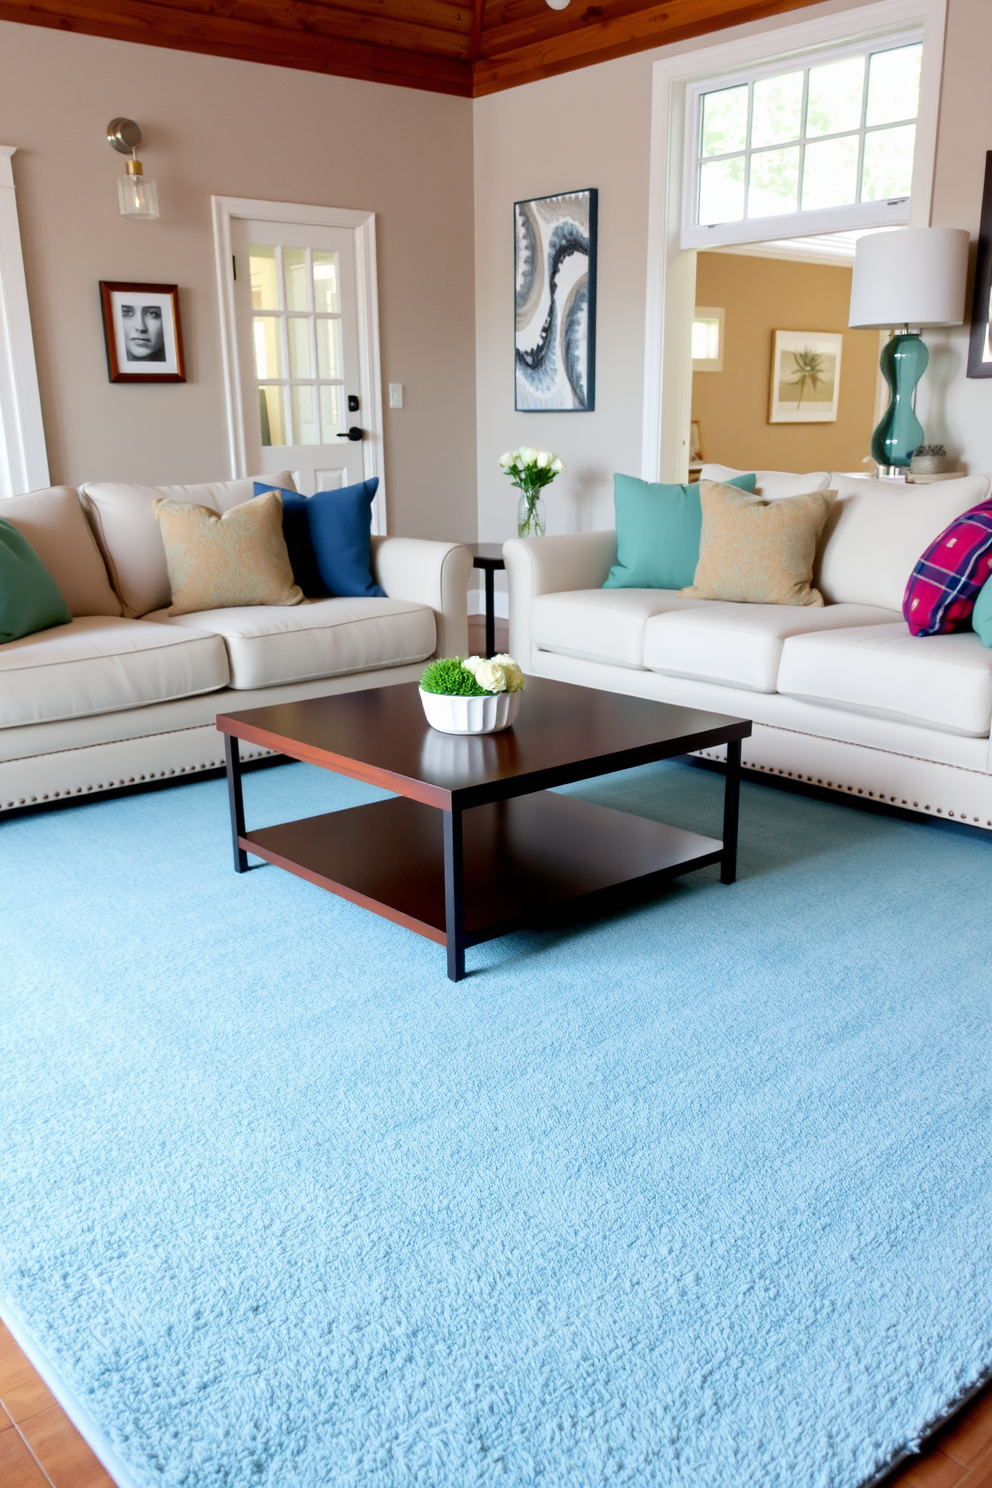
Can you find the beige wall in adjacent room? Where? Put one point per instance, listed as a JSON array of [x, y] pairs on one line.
[[760, 296], [219, 127]]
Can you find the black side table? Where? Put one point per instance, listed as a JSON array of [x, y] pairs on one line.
[[488, 557]]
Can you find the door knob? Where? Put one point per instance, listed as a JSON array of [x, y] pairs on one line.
[[353, 433]]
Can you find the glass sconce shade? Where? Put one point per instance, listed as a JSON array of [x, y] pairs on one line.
[[136, 193], [903, 362]]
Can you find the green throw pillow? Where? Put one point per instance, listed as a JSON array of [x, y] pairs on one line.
[[658, 529], [30, 599], [981, 615]]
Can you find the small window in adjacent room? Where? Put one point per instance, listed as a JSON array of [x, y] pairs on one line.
[[707, 339]]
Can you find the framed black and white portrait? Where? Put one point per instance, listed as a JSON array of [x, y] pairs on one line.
[[143, 332]]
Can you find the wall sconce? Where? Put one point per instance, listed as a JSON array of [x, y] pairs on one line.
[[137, 194]]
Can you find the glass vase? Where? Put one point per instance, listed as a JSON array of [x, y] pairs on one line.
[[530, 515]]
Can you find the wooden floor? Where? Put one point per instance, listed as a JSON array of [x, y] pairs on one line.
[[40, 1448]]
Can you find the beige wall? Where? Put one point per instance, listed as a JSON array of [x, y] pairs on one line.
[[221, 127], [760, 296]]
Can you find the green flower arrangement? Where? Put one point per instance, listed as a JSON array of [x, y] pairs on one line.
[[476, 676]]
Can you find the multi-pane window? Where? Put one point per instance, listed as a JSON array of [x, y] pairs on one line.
[[296, 330], [839, 133]]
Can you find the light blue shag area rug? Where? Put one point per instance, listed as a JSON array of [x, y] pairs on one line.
[[696, 1194]]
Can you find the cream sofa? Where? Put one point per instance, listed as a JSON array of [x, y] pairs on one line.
[[126, 693], [841, 697]]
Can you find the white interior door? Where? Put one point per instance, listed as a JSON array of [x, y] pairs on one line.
[[299, 352]]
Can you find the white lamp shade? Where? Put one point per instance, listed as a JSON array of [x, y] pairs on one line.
[[913, 277]]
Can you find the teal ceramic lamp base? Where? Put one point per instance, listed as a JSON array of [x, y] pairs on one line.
[[903, 362]]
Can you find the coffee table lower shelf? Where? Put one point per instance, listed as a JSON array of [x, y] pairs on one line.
[[523, 858]]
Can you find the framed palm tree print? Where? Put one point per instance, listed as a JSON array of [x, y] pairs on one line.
[[805, 377]]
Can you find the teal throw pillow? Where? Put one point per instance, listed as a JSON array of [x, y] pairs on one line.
[[981, 615], [30, 599], [658, 531]]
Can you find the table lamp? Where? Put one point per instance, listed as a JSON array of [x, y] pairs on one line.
[[913, 277]]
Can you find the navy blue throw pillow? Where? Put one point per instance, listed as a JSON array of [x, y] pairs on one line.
[[329, 539]]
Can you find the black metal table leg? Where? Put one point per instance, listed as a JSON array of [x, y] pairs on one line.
[[490, 612], [731, 811], [454, 893], [235, 801]]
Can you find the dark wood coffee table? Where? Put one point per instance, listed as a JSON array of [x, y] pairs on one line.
[[475, 843]]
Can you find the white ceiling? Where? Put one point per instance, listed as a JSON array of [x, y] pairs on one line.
[[827, 248]]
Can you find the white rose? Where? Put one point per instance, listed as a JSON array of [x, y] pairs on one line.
[[514, 676], [557, 466], [507, 459], [543, 459], [473, 663], [527, 454], [491, 676]]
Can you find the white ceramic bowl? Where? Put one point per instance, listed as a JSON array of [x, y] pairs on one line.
[[470, 715]]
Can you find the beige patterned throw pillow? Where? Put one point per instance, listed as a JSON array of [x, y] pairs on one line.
[[215, 561], [758, 552]]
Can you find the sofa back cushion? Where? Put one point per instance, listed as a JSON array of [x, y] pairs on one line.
[[878, 530], [131, 541], [54, 524], [772, 485]]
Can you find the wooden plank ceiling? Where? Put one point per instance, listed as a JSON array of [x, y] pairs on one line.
[[465, 47]]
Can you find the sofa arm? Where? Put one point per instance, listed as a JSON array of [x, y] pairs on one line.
[[428, 573], [551, 565]]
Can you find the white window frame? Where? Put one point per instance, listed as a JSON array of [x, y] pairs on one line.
[[23, 454], [718, 317], [893, 212], [228, 208], [671, 270]]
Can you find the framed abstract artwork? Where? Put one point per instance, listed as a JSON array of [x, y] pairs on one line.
[[143, 332], [980, 347], [805, 377], [555, 288]]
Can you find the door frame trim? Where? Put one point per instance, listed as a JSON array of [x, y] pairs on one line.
[[231, 208]]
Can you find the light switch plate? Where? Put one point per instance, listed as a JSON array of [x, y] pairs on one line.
[[396, 395]]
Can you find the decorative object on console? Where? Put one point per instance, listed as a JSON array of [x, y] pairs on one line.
[[329, 537], [137, 194], [143, 332], [929, 459], [530, 470], [944, 585], [758, 552], [980, 345], [218, 562], [30, 599], [474, 696], [658, 531], [911, 277], [555, 290], [805, 377]]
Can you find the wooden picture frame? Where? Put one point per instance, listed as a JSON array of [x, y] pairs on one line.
[[980, 342], [142, 331], [805, 384]]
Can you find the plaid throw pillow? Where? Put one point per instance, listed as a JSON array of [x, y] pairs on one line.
[[943, 586]]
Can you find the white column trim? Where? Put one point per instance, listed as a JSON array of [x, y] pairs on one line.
[[671, 269], [228, 208], [25, 467]]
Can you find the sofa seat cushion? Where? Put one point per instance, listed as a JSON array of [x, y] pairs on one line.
[[740, 645], [99, 664], [267, 645], [942, 681], [602, 624]]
